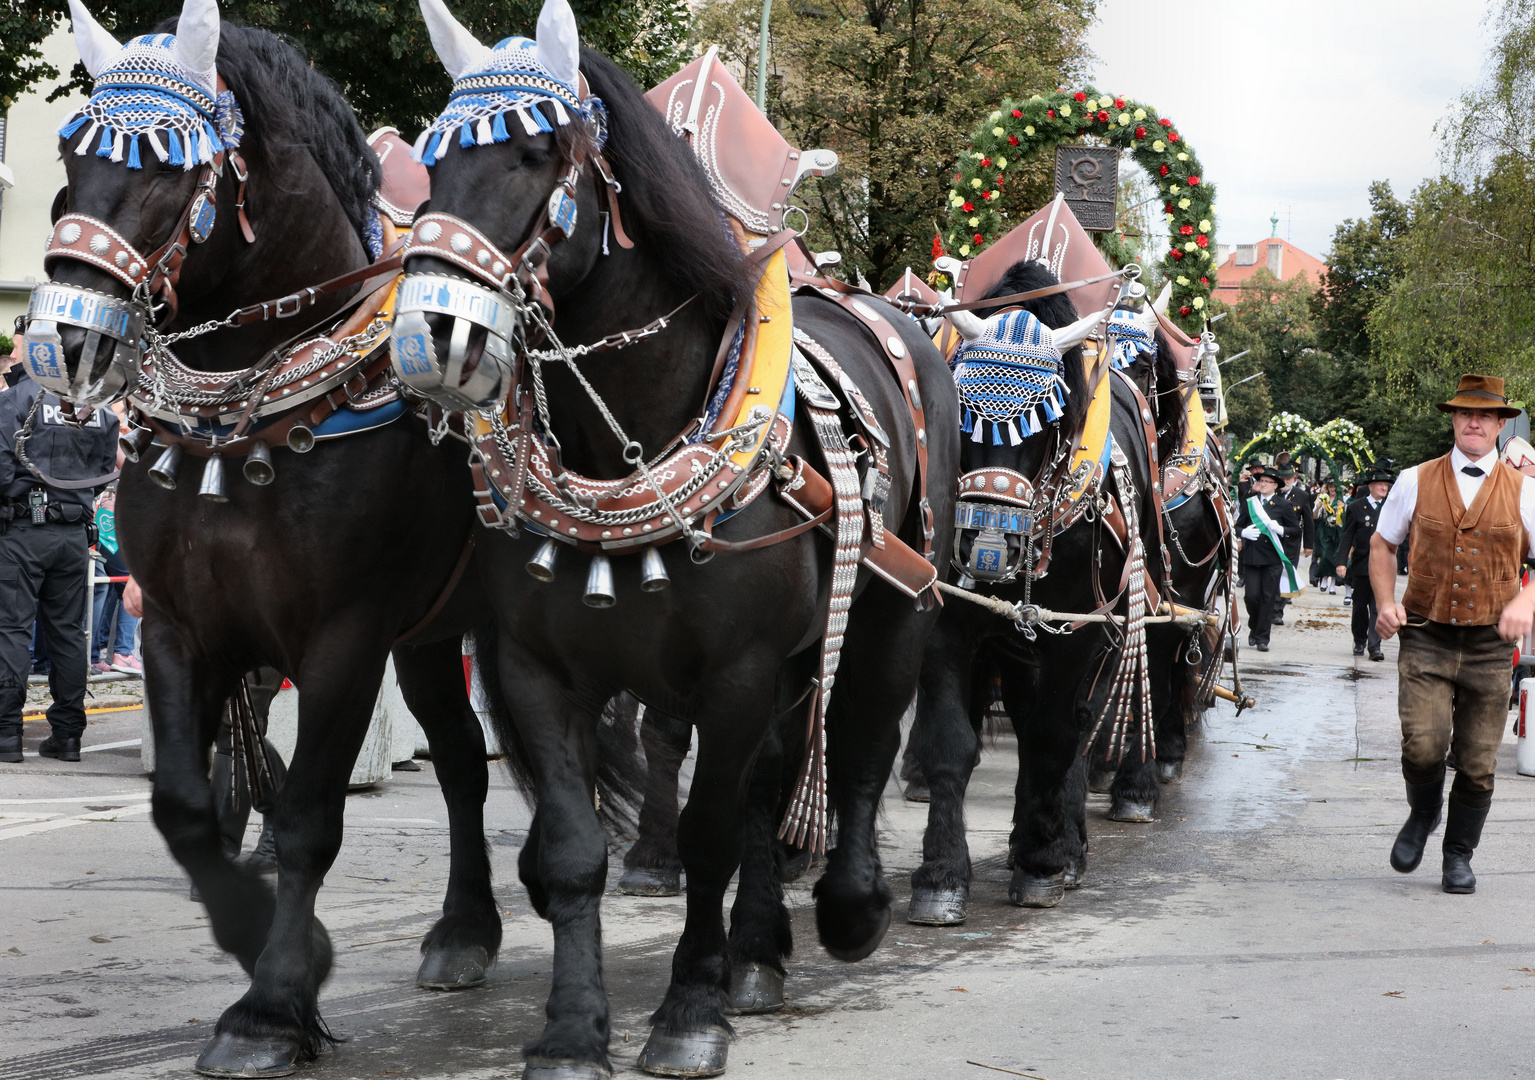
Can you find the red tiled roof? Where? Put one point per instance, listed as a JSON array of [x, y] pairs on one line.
[[1293, 263]]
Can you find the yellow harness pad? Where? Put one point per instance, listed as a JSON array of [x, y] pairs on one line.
[[766, 354], [1194, 430], [1094, 443]]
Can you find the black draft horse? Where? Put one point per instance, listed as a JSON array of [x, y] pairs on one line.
[[316, 575], [1048, 683], [1198, 553], [730, 644]]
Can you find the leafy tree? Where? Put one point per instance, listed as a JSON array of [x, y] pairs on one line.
[[379, 53], [1272, 322], [896, 87]]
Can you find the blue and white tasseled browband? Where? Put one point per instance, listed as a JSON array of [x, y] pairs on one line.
[[148, 93], [511, 80], [1010, 378], [1129, 340]]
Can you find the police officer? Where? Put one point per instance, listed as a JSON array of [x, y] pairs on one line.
[[1359, 522], [44, 554]]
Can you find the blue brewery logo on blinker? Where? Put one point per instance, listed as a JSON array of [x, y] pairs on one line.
[[43, 360], [410, 353]]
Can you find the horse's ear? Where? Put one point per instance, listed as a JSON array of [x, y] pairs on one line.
[[456, 46], [97, 47], [197, 42], [559, 43], [1159, 305]]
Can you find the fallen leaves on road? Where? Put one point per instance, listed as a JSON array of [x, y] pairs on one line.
[[1393, 993]]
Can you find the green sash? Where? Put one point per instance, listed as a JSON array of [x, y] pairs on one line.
[[1290, 583]]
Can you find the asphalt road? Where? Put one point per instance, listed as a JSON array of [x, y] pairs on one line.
[[1254, 930]]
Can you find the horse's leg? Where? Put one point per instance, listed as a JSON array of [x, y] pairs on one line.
[[459, 949], [185, 701], [277, 1023], [689, 1034], [1173, 721], [1135, 790], [761, 934], [1043, 840], [652, 866], [947, 749]]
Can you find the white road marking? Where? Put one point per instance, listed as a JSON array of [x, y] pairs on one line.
[[129, 796], [112, 745], [34, 827]]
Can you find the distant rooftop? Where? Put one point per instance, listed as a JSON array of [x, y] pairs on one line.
[[1284, 260]]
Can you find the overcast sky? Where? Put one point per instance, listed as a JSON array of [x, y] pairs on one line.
[[1306, 101]]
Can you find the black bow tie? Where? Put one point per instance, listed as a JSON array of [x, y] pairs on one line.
[[1473, 470]]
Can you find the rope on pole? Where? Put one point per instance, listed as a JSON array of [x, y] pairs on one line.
[[1029, 614]]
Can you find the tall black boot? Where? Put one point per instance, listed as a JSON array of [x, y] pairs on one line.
[[10, 748], [1427, 802], [1462, 832], [263, 857]]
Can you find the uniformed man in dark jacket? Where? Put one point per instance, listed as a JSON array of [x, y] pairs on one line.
[[1261, 564], [44, 554], [1354, 557], [1294, 494]]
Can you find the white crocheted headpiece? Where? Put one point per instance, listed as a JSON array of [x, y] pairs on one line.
[[1009, 376], [163, 87]]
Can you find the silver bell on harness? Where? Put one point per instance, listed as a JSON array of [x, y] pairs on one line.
[[465, 379], [109, 358]]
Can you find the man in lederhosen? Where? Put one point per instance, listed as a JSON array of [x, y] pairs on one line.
[[1472, 520], [1354, 557], [1263, 535]]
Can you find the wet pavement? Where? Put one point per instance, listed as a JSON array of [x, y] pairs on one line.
[[1254, 929]]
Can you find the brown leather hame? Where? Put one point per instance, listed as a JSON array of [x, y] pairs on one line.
[[1463, 566]]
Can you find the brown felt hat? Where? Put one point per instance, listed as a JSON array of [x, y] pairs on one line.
[[1480, 392]]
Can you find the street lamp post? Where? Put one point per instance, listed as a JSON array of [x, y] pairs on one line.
[[762, 51]]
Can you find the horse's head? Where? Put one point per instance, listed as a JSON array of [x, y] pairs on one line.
[[143, 160], [1023, 392], [513, 219]]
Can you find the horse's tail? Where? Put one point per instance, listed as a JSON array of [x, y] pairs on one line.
[[620, 766]]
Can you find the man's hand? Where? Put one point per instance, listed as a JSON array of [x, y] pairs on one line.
[[1342, 573], [133, 599], [1517, 618], [1251, 533], [1391, 618], [1306, 554]]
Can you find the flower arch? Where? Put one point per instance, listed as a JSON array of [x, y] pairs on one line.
[[1021, 129]]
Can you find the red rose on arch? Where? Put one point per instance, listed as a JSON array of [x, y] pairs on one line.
[[1012, 140], [1140, 133], [1079, 96], [1162, 169], [1017, 114], [1168, 207], [986, 162], [1175, 253], [1204, 281], [968, 207], [1165, 122], [1185, 310], [1202, 240], [1103, 116], [1119, 103], [1172, 136], [979, 238], [1193, 181], [1186, 230], [1050, 113]]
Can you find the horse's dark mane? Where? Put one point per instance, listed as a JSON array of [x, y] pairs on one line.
[[1172, 417], [1054, 311], [666, 197], [285, 101]]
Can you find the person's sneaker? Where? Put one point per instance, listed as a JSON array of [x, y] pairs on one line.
[[1358, 650], [128, 665], [100, 667], [62, 749], [1263, 646], [1377, 655]]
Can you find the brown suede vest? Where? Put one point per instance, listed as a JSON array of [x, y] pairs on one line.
[[1463, 565]]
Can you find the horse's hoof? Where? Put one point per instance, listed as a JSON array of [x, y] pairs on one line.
[[1168, 771], [453, 967], [858, 952], [755, 988], [550, 1069], [1027, 890], [1076, 873], [689, 1053], [1100, 780], [644, 881], [1132, 810], [248, 1055], [918, 792], [937, 907], [795, 866]]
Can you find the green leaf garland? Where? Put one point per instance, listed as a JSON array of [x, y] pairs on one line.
[[1021, 129]]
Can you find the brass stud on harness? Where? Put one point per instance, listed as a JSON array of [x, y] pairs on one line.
[[163, 471], [258, 465], [212, 487], [653, 576], [599, 584], [541, 565]]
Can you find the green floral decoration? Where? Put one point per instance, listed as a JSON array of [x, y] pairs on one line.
[[1020, 129], [1338, 441]]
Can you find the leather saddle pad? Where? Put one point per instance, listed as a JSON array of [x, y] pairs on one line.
[[752, 169], [1071, 256], [405, 185]]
